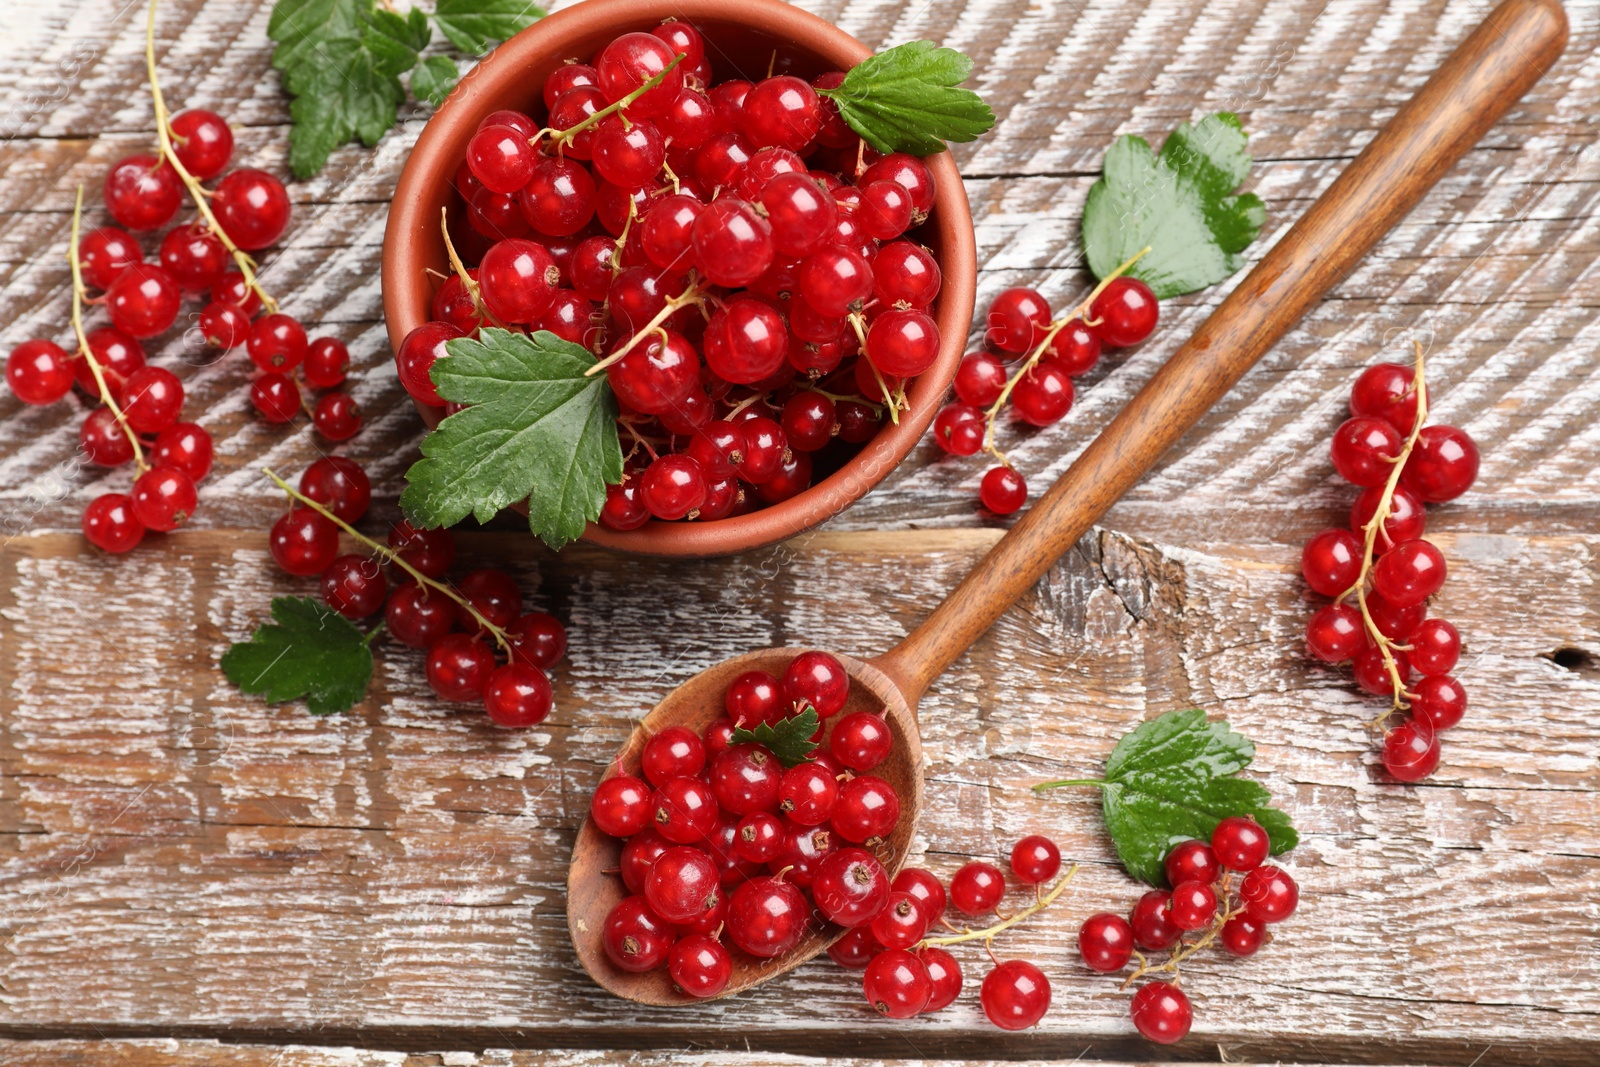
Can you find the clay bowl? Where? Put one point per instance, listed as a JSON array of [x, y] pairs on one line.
[[741, 36], [593, 887]]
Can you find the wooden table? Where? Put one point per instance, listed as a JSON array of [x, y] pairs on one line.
[[184, 867]]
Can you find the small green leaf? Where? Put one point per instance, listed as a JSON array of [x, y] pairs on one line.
[[1180, 203], [392, 40], [788, 739], [535, 428], [1174, 778], [908, 99], [302, 28], [475, 25], [311, 651], [433, 79]]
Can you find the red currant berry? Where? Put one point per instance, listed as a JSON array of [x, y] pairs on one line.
[[1105, 941], [275, 397], [39, 372], [1443, 465], [767, 917], [110, 525], [802, 215], [1153, 928], [926, 888], [252, 207], [912, 174], [885, 210], [235, 292], [501, 157], [224, 325], [1240, 844], [1372, 673], [732, 243], [623, 509], [421, 347], [163, 498], [142, 193], [1409, 573], [635, 938], [143, 301], [1002, 490], [690, 121], [1242, 935], [1075, 349], [682, 885], [336, 416], [746, 342], [901, 923], [104, 440], [493, 593], [808, 421], [303, 542], [185, 446], [496, 216], [354, 586], [340, 485], [754, 697], [867, 811], [807, 794], [116, 354], [765, 449], [1018, 320], [1161, 1012], [858, 423], [563, 78], [700, 966], [683, 810], [944, 974], [1269, 894], [194, 257], [633, 59], [792, 477], [817, 679], [417, 618], [860, 741], [1386, 391], [620, 806], [1411, 752], [628, 154], [675, 752], [855, 949], [980, 379], [1126, 311], [1435, 647], [667, 232], [804, 849], [1192, 861], [459, 666], [1035, 859], [327, 360], [896, 984], [718, 736], [758, 838], [1015, 995], [1331, 561], [277, 343], [517, 279], [656, 374], [151, 399], [745, 778], [1191, 905], [903, 343], [202, 142], [572, 108], [1438, 701], [719, 162], [782, 111], [1405, 522], [1364, 450], [850, 887], [106, 252], [835, 281], [1043, 395], [977, 887], [672, 487], [1395, 622], [537, 639], [905, 275], [959, 429]]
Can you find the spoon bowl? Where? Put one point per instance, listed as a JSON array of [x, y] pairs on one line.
[[593, 888], [1480, 80]]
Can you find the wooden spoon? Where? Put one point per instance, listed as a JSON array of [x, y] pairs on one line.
[[1482, 78]]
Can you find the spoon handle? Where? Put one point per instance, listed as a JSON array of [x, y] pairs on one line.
[[1481, 79]]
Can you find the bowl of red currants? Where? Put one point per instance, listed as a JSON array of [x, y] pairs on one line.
[[721, 242]]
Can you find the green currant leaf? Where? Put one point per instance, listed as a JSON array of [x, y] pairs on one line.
[[433, 79], [394, 40], [788, 739], [1180, 203], [908, 99], [311, 651], [474, 25], [302, 27], [1176, 777], [535, 428]]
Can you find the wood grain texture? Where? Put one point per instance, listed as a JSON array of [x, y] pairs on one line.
[[179, 861]]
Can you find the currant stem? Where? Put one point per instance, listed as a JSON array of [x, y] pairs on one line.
[[690, 295], [241, 259], [1099, 783], [1187, 949], [564, 137], [989, 932], [890, 400], [83, 340], [478, 306], [1370, 532], [1081, 311], [392, 556]]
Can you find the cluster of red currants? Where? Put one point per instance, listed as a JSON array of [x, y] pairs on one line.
[[1394, 648], [1052, 352], [734, 252], [1205, 902], [453, 622]]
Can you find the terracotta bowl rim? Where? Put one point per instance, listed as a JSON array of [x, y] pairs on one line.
[[413, 226]]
